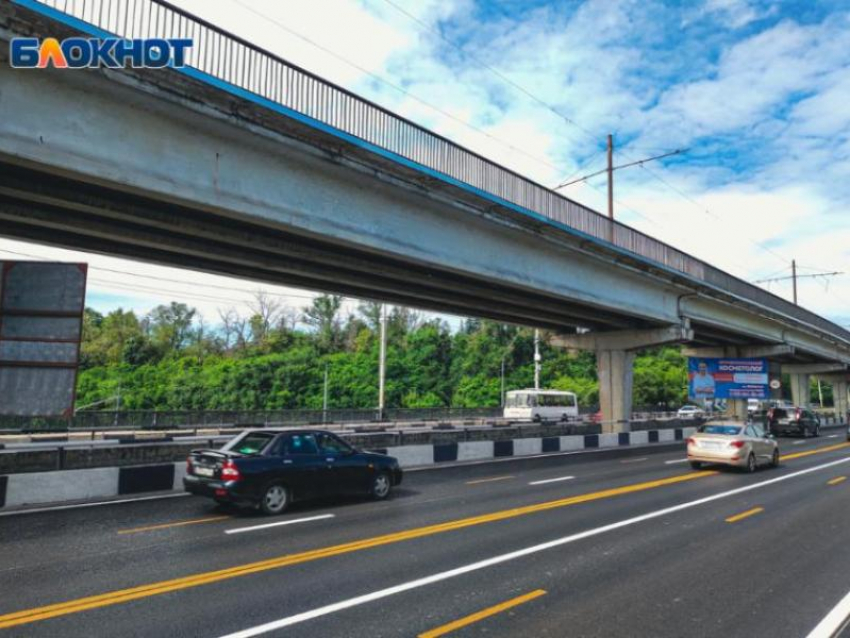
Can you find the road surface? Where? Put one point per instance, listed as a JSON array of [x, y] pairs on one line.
[[615, 543]]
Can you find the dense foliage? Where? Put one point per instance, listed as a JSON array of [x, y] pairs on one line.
[[277, 358]]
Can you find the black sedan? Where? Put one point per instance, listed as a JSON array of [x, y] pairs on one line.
[[269, 469]]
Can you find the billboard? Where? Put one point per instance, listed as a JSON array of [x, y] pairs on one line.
[[710, 378], [41, 316]]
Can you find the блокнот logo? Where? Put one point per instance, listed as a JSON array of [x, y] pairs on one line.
[[113, 53]]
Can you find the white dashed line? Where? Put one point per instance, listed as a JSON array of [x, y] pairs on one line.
[[554, 480], [239, 530]]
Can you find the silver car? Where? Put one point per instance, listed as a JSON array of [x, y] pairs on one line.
[[739, 445]]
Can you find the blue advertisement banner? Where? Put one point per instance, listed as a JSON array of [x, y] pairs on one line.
[[710, 378]]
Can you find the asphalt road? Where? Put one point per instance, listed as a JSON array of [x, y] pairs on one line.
[[633, 544]]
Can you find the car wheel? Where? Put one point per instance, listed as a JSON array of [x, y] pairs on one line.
[[696, 465], [751, 463], [275, 499], [817, 430], [774, 460], [382, 485]]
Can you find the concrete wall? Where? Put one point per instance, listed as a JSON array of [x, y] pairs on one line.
[[86, 484]]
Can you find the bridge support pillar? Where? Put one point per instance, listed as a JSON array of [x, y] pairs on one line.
[[615, 354], [840, 400], [615, 373], [800, 392]]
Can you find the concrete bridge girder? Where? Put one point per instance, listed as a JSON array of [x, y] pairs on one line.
[[201, 160]]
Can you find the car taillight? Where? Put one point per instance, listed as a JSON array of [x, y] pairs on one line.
[[770, 414], [798, 414], [691, 441], [188, 465], [229, 471], [738, 444]]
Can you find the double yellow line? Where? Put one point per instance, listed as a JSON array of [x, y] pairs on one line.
[[153, 589]]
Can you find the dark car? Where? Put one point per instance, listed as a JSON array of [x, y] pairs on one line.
[[801, 421], [269, 469]]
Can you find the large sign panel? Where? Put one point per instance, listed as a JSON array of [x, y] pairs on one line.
[[727, 378], [41, 319]]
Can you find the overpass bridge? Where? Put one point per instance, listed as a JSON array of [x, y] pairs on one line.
[[244, 164]]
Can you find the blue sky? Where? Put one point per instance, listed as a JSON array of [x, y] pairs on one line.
[[757, 91]]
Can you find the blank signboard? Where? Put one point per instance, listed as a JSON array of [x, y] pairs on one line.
[[41, 319]]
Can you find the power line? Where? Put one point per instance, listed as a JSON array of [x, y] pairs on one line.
[[616, 168], [166, 279], [394, 86], [552, 109], [494, 71]]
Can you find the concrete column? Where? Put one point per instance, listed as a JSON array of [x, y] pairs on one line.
[[800, 388], [614, 368], [737, 408], [840, 398]]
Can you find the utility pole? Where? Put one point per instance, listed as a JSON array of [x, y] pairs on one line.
[[325, 398], [502, 391], [611, 177], [382, 362], [794, 278], [536, 359]]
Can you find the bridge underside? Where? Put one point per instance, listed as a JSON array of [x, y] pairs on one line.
[[45, 208]]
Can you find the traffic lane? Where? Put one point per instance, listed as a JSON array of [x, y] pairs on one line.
[[143, 562], [218, 605], [41, 538], [689, 573], [133, 559]]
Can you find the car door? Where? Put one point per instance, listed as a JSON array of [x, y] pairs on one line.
[[301, 466], [347, 470], [763, 446]]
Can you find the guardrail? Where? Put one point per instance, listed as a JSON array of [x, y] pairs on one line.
[[108, 420], [232, 60]]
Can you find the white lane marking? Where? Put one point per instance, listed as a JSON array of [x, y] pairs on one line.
[[833, 621], [56, 508], [645, 458], [832, 436], [800, 442], [503, 558], [553, 480], [675, 461], [239, 530]]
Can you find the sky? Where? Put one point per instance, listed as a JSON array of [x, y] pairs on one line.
[[755, 92]]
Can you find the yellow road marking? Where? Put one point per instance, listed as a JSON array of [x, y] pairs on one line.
[[153, 589], [194, 521], [837, 480], [820, 450], [484, 613], [743, 515], [489, 480], [143, 591]]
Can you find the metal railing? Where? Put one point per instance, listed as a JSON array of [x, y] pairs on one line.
[[165, 419], [232, 60]]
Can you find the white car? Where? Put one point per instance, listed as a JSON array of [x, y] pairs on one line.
[[690, 412], [743, 446]]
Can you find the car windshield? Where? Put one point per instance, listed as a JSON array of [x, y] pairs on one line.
[[250, 443], [730, 430]]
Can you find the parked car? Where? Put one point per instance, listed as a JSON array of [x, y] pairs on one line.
[[794, 420], [744, 446], [690, 412], [269, 469]]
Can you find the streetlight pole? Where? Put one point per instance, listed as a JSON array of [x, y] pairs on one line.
[[536, 359], [325, 398], [382, 362]]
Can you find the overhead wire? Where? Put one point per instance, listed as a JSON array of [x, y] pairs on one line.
[[394, 86]]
